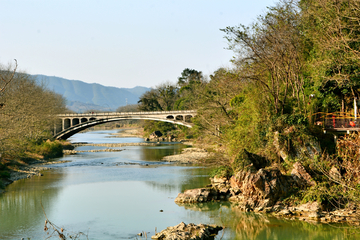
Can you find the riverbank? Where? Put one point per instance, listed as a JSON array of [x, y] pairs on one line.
[[267, 191], [190, 155]]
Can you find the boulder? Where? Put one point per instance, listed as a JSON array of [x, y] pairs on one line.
[[335, 174], [261, 189], [246, 160], [301, 176], [155, 134], [197, 195], [188, 232]]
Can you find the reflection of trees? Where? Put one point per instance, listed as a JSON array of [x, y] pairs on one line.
[[158, 152], [257, 226], [194, 177], [250, 226], [205, 207], [20, 206]]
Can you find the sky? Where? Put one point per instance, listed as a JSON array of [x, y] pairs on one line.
[[121, 43]]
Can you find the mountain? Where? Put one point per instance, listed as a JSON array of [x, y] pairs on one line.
[[82, 96]]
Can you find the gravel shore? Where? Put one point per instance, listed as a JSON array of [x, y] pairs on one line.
[[189, 155]]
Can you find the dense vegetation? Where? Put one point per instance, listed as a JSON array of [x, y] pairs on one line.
[[27, 115], [300, 58]]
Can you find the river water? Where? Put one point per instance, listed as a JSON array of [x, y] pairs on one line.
[[116, 195]]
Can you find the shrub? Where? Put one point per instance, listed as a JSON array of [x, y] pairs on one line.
[[49, 149], [222, 171], [4, 174]]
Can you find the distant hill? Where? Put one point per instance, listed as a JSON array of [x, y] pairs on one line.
[[82, 96]]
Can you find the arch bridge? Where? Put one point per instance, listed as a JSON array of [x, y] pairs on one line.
[[72, 123]]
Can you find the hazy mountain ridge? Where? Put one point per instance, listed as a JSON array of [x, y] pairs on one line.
[[83, 96]]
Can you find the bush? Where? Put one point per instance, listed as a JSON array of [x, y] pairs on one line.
[[222, 171], [4, 174], [49, 149]]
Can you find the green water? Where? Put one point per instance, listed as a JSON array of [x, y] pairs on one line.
[[115, 195]]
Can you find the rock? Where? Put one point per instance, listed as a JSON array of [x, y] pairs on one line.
[[155, 134], [188, 232], [309, 207], [308, 149], [217, 180], [285, 212], [196, 195], [335, 174], [261, 189], [302, 178], [247, 160]]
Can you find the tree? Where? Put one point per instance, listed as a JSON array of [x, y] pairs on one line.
[[332, 29], [28, 114], [270, 55], [213, 101], [189, 81], [6, 77], [128, 108], [149, 101]]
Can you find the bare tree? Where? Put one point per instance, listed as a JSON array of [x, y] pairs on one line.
[[6, 78], [270, 54]]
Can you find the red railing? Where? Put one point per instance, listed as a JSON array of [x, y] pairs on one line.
[[336, 120]]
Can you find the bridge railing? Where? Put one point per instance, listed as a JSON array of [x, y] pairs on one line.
[[337, 120], [124, 113], [341, 122]]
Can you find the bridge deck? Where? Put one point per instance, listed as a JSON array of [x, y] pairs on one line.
[[124, 113]]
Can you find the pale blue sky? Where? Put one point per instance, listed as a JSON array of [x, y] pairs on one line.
[[121, 43]]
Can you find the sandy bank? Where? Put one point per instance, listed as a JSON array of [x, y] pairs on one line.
[[190, 155]]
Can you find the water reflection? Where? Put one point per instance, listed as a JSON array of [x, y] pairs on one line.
[[21, 210], [182, 178], [158, 152], [257, 226]]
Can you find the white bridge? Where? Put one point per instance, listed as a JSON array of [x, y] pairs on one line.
[[73, 123]]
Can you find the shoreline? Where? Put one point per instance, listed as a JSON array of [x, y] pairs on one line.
[[35, 167]]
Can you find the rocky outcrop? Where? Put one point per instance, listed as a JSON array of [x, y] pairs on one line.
[[261, 189], [302, 150], [197, 195], [188, 232], [302, 178], [219, 189]]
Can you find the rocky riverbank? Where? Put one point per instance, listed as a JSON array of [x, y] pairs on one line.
[[262, 191], [29, 170], [188, 232]]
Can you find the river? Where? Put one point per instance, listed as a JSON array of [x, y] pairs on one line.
[[116, 195]]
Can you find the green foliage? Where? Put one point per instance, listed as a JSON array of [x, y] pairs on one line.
[[250, 125], [4, 174], [237, 101], [48, 149], [286, 120], [325, 194], [163, 127], [222, 171]]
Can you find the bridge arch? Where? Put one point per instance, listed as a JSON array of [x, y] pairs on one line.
[[85, 121]]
